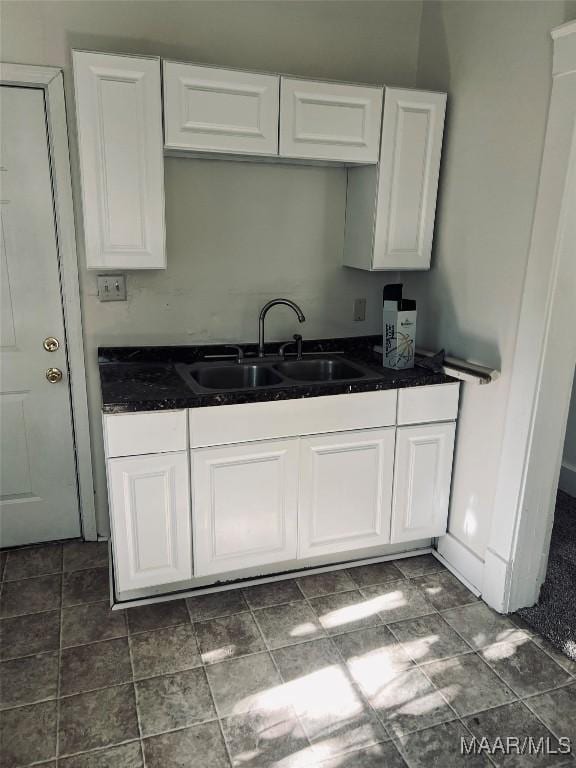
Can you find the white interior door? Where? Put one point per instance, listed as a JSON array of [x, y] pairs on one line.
[[38, 487]]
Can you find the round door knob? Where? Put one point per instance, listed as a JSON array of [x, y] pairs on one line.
[[51, 344], [54, 375]]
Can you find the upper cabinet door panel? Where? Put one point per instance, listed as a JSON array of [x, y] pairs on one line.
[[330, 121], [119, 118], [412, 129], [220, 110]]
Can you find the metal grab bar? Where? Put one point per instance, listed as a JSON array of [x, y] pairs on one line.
[[458, 368], [464, 369]]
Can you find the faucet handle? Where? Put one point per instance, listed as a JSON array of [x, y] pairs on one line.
[[239, 351], [296, 339], [282, 350]]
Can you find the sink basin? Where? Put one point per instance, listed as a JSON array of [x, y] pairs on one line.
[[238, 376], [215, 376], [327, 369]]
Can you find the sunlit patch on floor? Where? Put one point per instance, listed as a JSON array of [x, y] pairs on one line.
[[420, 649], [503, 650], [219, 654], [377, 668], [349, 614], [303, 630]]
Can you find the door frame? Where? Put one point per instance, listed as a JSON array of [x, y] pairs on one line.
[[543, 365], [50, 80]]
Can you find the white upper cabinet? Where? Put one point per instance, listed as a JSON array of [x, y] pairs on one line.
[[390, 209], [119, 120], [345, 491], [220, 110], [330, 121]]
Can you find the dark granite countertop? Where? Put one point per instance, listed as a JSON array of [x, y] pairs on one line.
[[145, 378]]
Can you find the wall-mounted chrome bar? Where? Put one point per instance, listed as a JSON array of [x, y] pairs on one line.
[[463, 369], [458, 368]]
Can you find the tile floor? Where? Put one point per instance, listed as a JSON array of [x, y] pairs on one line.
[[384, 665]]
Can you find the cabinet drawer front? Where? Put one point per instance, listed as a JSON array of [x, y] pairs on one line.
[[330, 121], [219, 110], [219, 425], [132, 434], [422, 473], [150, 517], [418, 405], [412, 128], [245, 505], [119, 116], [345, 491]]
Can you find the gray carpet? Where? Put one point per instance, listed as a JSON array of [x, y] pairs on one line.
[[554, 615]]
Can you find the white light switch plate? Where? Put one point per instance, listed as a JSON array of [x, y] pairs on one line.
[[112, 287]]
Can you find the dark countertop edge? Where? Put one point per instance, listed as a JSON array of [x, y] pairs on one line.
[[296, 392], [118, 397]]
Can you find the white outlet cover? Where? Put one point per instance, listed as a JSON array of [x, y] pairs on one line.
[[359, 309]]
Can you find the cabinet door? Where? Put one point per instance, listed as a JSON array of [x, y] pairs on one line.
[[346, 491], [330, 121], [412, 128], [220, 110], [244, 505], [150, 517], [422, 473], [119, 117]]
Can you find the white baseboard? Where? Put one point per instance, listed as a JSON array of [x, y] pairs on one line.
[[567, 481], [495, 585], [211, 587], [456, 573], [462, 561]]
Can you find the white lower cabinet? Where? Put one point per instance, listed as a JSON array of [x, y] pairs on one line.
[[345, 491], [215, 509], [245, 505], [422, 474], [150, 515]]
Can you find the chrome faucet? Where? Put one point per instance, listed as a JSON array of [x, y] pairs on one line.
[[262, 318]]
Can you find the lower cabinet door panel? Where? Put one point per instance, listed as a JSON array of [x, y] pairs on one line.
[[150, 516], [245, 505], [422, 474], [346, 491]]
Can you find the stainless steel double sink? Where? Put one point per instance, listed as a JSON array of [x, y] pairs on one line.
[[264, 374]]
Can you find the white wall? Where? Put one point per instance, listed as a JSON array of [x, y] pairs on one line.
[[568, 471], [237, 234], [494, 59]]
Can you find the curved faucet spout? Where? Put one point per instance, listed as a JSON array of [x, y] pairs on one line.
[[264, 312]]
